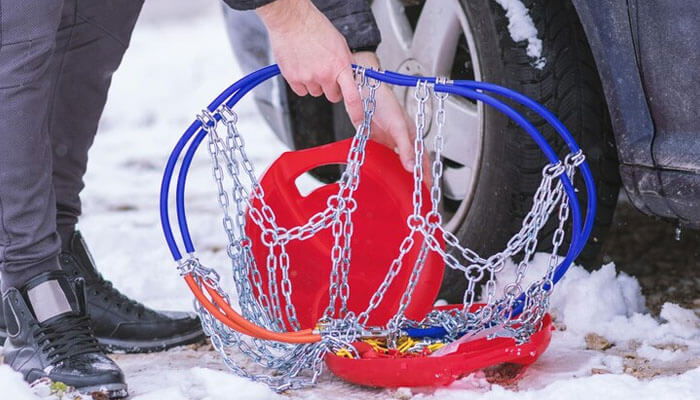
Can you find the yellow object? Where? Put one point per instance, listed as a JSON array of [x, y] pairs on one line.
[[435, 346], [344, 353], [377, 345], [405, 344]]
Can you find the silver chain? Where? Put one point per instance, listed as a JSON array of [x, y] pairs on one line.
[[271, 307]]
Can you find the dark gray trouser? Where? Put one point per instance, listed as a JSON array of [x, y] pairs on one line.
[[57, 58]]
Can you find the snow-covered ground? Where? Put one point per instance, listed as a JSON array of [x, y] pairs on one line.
[[605, 346]]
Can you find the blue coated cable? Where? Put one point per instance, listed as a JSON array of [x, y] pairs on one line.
[[236, 96], [177, 150], [463, 88], [406, 80], [239, 95], [434, 332]]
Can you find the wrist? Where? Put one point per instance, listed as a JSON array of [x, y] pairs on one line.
[[284, 15], [366, 58]]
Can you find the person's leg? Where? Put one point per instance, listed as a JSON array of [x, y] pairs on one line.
[[29, 244], [89, 50], [37, 298]]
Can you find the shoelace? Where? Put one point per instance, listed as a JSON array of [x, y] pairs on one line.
[[67, 337], [103, 287], [109, 292]]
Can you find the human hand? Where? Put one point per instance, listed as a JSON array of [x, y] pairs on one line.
[[312, 55], [315, 59], [391, 125]]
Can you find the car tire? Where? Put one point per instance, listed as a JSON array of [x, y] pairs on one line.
[[511, 163], [569, 86]]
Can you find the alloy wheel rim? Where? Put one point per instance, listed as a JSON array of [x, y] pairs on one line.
[[429, 45]]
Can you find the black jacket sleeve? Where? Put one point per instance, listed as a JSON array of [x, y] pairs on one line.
[[247, 4], [353, 18]]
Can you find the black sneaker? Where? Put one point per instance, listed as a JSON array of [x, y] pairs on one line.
[[120, 323], [49, 336]]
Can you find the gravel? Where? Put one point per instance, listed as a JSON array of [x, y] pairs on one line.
[[646, 247]]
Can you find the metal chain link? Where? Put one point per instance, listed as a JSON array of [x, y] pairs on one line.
[[272, 307]]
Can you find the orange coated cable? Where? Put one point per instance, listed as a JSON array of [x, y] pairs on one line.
[[194, 287], [235, 321], [257, 330], [227, 310]]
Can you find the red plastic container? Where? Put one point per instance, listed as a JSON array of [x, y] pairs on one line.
[[384, 202], [442, 370]]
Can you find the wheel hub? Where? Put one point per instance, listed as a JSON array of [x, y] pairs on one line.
[[430, 39], [414, 67]]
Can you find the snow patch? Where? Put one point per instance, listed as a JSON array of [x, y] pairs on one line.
[[610, 304], [173, 64], [521, 27], [220, 385], [170, 393], [584, 301], [654, 353], [608, 386], [13, 387], [587, 301], [204, 383], [683, 323]]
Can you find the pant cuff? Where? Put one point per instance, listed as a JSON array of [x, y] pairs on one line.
[[17, 275]]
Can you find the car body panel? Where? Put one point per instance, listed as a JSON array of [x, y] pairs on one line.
[[647, 54]]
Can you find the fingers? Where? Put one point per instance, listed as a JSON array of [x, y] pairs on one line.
[[335, 87], [353, 102], [427, 170], [332, 91], [319, 86], [396, 129], [403, 139], [312, 54], [314, 89], [298, 89]]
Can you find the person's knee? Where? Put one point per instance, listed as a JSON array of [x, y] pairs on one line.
[[29, 20], [111, 20], [27, 39]]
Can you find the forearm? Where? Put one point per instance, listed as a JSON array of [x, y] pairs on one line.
[[352, 18], [284, 16]]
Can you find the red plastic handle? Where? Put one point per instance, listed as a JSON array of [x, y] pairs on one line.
[[301, 161]]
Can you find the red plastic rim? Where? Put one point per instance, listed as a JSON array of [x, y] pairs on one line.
[[426, 371], [379, 229]]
